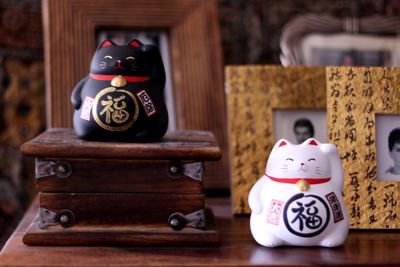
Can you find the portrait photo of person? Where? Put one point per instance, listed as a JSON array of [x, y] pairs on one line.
[[303, 129], [388, 147], [297, 125], [394, 151]]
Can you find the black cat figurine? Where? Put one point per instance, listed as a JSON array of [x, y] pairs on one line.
[[122, 98]]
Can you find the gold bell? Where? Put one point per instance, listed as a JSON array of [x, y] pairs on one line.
[[303, 185], [118, 81]]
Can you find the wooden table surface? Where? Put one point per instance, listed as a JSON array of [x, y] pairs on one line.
[[237, 249]]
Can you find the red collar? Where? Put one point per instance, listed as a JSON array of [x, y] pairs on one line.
[[295, 180], [131, 79]]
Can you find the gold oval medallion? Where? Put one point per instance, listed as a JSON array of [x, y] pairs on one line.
[[115, 109]]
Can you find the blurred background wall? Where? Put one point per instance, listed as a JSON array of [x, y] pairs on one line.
[[250, 31]]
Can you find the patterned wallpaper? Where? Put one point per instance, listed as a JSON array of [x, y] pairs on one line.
[[22, 111]]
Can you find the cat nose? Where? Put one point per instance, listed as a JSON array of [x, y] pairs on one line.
[[302, 164], [119, 61]]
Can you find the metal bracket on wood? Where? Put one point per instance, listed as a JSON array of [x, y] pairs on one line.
[[178, 221], [193, 170], [60, 168], [65, 218], [47, 218]]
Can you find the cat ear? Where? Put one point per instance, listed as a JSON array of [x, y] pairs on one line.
[[105, 44], [135, 43], [312, 142], [281, 143]]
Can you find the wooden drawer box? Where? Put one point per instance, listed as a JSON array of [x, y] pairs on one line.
[[98, 190]]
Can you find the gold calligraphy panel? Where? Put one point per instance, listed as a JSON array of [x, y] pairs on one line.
[[253, 92], [355, 96]]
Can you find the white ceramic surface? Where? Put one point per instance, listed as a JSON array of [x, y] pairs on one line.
[[298, 201]]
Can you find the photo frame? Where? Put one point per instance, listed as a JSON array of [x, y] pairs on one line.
[[356, 97], [387, 132], [325, 40], [253, 93], [297, 125], [70, 29]]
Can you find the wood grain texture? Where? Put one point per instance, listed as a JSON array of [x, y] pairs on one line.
[[125, 176], [362, 248], [69, 33], [121, 208], [126, 235], [253, 92], [63, 143]]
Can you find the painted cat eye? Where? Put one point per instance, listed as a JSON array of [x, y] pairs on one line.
[[109, 57], [311, 159], [290, 159], [130, 58]]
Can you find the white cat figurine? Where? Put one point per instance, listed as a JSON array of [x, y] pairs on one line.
[[298, 201]]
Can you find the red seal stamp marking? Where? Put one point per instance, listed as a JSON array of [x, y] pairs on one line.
[[274, 212], [335, 206], [87, 108]]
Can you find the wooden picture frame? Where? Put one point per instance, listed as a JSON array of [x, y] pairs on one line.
[[194, 39], [253, 92], [356, 97]]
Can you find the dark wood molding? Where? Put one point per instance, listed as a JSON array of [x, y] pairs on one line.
[[238, 248]]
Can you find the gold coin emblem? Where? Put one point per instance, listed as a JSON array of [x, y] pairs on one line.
[[115, 109]]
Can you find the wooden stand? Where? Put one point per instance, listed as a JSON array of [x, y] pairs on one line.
[[121, 194]]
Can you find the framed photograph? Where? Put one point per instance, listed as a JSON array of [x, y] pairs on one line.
[[325, 40], [363, 119], [350, 50], [262, 105], [388, 147], [188, 33], [297, 125]]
